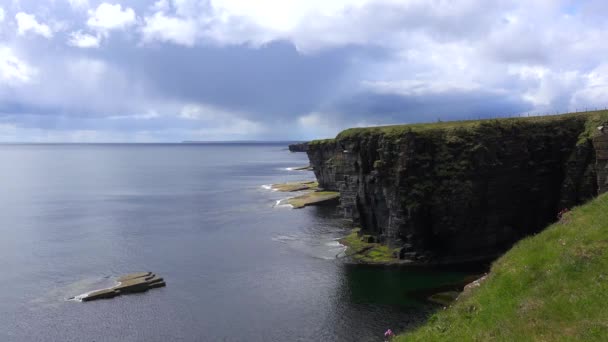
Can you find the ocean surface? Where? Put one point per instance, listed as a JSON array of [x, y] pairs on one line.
[[238, 267]]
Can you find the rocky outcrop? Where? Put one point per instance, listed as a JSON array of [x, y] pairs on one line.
[[313, 198], [295, 186], [600, 143], [130, 283], [458, 191], [299, 147]]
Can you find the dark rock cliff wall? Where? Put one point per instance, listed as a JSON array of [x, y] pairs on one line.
[[460, 192], [299, 147], [600, 143]]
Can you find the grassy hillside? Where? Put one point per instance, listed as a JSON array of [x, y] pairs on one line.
[[592, 119], [549, 287]]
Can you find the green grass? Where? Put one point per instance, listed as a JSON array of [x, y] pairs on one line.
[[549, 287], [371, 253], [591, 119], [312, 198]]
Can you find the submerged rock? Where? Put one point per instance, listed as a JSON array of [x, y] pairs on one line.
[[130, 283]]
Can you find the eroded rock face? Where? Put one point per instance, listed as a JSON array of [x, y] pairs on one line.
[[600, 143], [299, 147], [130, 283], [459, 193]]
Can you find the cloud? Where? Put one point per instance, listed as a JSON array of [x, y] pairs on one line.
[[14, 71], [2, 15], [108, 17], [84, 40], [79, 4], [28, 23], [162, 28], [276, 69], [161, 6]]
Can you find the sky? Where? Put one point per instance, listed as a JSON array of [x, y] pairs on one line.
[[173, 70]]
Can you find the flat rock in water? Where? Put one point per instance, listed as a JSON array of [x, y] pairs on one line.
[[130, 283], [134, 276], [101, 294], [295, 186], [313, 198]]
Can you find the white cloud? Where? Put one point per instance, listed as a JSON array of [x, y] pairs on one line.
[[108, 17], [2, 14], [84, 40], [162, 28], [161, 6], [28, 23], [284, 16], [370, 60], [14, 71], [79, 4]]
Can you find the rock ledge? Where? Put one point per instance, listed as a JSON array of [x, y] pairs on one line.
[[130, 283]]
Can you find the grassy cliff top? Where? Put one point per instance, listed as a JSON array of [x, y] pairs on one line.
[[549, 287], [592, 120]]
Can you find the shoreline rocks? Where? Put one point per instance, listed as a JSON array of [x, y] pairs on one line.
[[313, 198], [295, 186]]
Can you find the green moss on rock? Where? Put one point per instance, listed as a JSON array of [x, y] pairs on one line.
[[362, 249]]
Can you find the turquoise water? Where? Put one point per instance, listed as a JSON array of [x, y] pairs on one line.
[[238, 268]]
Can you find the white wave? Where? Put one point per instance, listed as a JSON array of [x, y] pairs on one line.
[[84, 295], [325, 257], [268, 187], [334, 243], [280, 204], [284, 238]]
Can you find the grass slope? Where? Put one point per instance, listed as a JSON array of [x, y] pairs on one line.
[[549, 287], [591, 120]]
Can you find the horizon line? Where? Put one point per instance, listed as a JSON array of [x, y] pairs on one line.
[[149, 142]]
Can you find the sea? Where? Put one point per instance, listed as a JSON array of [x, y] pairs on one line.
[[239, 265]]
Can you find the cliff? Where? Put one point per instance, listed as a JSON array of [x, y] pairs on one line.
[[463, 190], [299, 147]]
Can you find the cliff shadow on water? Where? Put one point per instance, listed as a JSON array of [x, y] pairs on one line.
[[460, 191]]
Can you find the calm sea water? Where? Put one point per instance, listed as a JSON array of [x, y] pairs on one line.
[[238, 268]]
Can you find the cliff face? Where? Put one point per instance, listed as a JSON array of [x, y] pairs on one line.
[[460, 191], [299, 147], [600, 144]]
